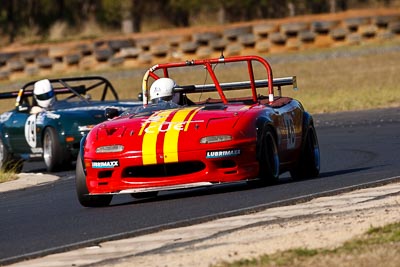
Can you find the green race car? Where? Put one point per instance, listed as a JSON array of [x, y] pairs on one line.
[[54, 134]]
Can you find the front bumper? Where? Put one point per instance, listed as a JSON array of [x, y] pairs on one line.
[[195, 170]]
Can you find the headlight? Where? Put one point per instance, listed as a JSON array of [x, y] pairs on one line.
[[110, 149], [215, 139], [85, 128]]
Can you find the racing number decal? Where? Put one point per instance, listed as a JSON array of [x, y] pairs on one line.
[[291, 137], [30, 130]]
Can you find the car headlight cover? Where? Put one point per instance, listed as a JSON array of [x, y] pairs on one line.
[[110, 149], [85, 128], [215, 139]]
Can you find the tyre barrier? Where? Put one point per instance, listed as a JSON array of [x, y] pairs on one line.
[[324, 26], [261, 37], [204, 38], [262, 30], [292, 29], [72, 59]]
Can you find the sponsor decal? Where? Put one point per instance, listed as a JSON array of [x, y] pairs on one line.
[[5, 116], [36, 150], [168, 124], [52, 115], [222, 153], [105, 164], [157, 90]]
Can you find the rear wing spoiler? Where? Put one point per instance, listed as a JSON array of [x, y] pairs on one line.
[[277, 82]]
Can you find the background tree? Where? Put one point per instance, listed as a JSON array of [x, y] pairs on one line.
[[180, 11], [11, 26], [19, 18]]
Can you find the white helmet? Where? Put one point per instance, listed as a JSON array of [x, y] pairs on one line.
[[162, 89], [43, 93]]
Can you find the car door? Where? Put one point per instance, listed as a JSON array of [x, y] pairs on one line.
[[21, 129], [290, 128]]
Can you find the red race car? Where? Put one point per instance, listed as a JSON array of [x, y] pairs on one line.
[[199, 134]]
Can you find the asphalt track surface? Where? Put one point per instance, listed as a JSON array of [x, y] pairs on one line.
[[358, 149]]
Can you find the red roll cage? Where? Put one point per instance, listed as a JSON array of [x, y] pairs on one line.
[[208, 64]]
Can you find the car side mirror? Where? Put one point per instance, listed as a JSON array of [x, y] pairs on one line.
[[23, 108], [140, 96], [111, 113]]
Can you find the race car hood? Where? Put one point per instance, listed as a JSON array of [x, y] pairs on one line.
[[93, 107], [84, 116], [165, 132]]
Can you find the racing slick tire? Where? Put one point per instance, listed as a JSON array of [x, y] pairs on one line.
[[54, 156], [268, 158], [7, 161], [82, 191], [308, 165]]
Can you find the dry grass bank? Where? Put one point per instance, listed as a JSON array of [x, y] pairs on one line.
[[329, 84], [350, 81], [377, 247]]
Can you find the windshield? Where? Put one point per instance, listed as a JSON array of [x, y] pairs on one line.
[[151, 108]]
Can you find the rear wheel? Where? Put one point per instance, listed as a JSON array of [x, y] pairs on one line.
[[308, 165], [82, 191], [268, 158], [54, 156], [7, 161]]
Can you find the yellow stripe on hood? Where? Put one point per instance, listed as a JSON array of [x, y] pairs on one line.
[[149, 143], [172, 135]]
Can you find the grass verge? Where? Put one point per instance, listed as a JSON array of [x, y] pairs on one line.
[[377, 247], [7, 176]]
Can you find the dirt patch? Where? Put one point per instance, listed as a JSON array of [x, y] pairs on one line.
[[321, 223], [26, 180]]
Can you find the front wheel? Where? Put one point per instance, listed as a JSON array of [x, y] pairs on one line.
[[308, 165], [7, 161], [268, 157], [82, 191]]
